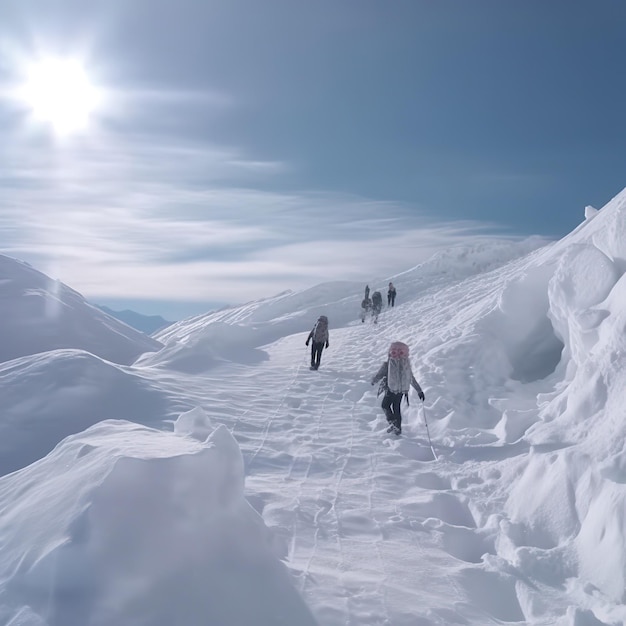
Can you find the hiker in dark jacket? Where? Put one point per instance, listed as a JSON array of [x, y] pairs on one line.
[[367, 292], [319, 335], [377, 305], [399, 357], [366, 307], [391, 295]]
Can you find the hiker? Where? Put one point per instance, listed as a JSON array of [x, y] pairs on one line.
[[366, 307], [377, 305], [319, 335], [391, 295], [367, 292], [397, 377]]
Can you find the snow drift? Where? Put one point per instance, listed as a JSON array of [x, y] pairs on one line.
[[121, 500]]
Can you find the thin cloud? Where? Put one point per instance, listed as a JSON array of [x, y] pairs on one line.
[[136, 219], [260, 167], [121, 256]]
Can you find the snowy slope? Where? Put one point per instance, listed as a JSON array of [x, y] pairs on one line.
[[40, 314], [521, 520], [237, 333]]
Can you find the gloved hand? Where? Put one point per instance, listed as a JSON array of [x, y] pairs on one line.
[[306, 343], [327, 344], [421, 396]]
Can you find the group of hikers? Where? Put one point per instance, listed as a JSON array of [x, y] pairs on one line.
[[373, 306], [394, 375]]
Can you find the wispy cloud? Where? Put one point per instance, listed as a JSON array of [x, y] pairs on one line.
[[139, 219]]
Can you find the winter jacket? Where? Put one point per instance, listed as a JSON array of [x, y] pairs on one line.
[[382, 373]]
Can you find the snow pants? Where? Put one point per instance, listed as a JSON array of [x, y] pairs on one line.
[[376, 308], [391, 298], [391, 407], [316, 353]]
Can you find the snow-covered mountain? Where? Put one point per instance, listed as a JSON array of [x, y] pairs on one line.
[[219, 480], [40, 314]]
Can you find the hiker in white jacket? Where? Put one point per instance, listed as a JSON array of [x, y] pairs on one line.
[[398, 377], [319, 335]]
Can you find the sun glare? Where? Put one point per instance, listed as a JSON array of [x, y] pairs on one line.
[[58, 92]]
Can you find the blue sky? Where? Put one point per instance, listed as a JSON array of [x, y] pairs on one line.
[[242, 148]]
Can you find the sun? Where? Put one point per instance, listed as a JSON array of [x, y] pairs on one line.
[[58, 92]]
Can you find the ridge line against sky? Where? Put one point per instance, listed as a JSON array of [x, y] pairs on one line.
[[233, 150]]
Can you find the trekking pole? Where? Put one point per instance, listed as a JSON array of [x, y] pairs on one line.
[[427, 432]]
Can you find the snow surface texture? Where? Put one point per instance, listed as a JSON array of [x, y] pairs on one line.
[[228, 484]]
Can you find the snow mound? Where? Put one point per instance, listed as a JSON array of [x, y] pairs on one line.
[[207, 347], [127, 525], [583, 279], [569, 503], [48, 396]]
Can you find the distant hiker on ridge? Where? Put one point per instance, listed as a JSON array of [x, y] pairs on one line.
[[397, 377], [377, 305], [391, 295], [319, 335], [366, 307]]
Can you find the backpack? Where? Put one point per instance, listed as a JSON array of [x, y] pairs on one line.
[[399, 374], [320, 330]]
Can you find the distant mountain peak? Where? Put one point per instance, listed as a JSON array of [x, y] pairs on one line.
[[147, 324]]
